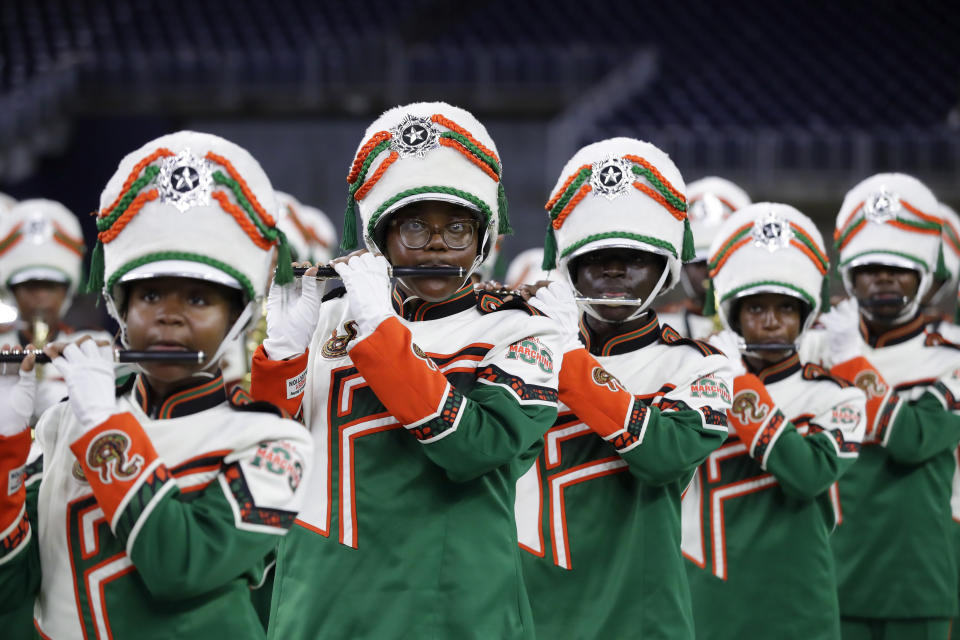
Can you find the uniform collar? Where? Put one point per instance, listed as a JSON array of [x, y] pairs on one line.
[[415, 309], [200, 396], [777, 371], [622, 342], [892, 336]]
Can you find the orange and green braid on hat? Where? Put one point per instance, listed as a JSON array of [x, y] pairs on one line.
[[801, 240], [243, 207], [455, 137], [927, 224], [576, 187]]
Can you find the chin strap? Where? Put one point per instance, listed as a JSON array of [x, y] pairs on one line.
[[642, 306], [244, 320]]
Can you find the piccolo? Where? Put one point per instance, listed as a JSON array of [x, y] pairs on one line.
[[769, 347], [892, 301], [119, 355], [636, 302], [328, 272]]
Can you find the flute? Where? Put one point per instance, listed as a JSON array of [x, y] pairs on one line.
[[636, 302], [757, 346], [898, 301], [329, 273], [119, 355]]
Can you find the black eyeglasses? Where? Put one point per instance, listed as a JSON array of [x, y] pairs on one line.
[[416, 234]]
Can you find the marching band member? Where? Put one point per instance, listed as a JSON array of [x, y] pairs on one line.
[[599, 513], [156, 503], [760, 509], [425, 399], [894, 550]]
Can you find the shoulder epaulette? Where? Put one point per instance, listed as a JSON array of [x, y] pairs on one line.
[[491, 301], [125, 383], [669, 336], [935, 338], [816, 372], [339, 292], [240, 400]]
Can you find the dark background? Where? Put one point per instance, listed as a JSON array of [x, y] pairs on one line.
[[794, 101]]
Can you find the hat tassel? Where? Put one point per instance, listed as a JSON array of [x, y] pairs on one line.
[[94, 282], [503, 227], [710, 299], [549, 250], [349, 241], [689, 251]]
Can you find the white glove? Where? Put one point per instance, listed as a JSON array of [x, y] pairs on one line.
[[367, 279], [290, 327], [843, 331], [557, 302], [18, 391], [88, 371], [729, 343]]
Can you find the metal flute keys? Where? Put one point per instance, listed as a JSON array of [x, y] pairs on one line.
[[328, 272], [119, 356]]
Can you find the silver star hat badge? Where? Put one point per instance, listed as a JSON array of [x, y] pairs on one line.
[[185, 180], [881, 205], [414, 136], [708, 210], [771, 232], [611, 177], [39, 228]]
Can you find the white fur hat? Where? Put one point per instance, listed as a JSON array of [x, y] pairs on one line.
[[309, 230], [42, 240], [891, 219], [951, 241], [619, 192], [710, 201], [321, 233], [525, 268], [425, 151], [190, 205], [768, 248], [6, 202]]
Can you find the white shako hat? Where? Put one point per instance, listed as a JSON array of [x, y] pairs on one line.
[[890, 219], [525, 268], [425, 151], [710, 201], [950, 237], [6, 202], [311, 234], [287, 219], [769, 248], [619, 192], [41, 240], [189, 205], [321, 233]]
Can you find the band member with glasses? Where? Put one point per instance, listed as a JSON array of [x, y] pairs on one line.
[[761, 509], [426, 401], [599, 514]]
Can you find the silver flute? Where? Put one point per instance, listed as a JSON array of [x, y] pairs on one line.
[[328, 273], [119, 355]]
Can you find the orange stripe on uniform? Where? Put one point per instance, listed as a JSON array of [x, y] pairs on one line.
[[13, 455], [114, 456], [594, 395], [411, 387]]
